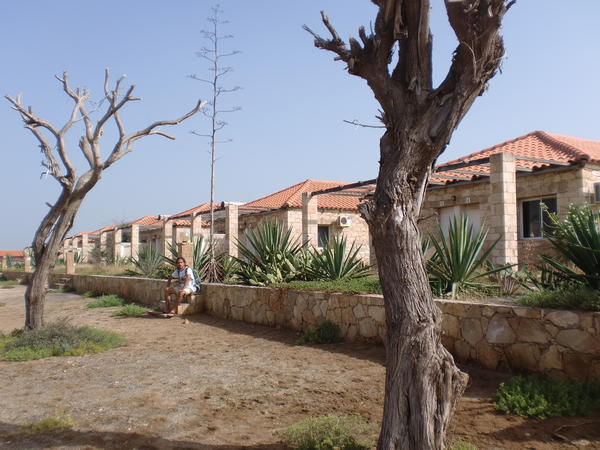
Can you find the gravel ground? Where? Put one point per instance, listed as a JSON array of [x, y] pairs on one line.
[[206, 383]]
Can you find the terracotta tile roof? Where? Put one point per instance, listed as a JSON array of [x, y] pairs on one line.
[[182, 223], [291, 197], [147, 221], [103, 229], [13, 253], [81, 233], [537, 144], [204, 207]]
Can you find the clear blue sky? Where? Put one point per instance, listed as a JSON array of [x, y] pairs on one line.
[[294, 97]]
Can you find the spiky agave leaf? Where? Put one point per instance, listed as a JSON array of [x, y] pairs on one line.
[[334, 263], [458, 258]]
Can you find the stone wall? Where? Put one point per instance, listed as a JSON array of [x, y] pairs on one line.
[[497, 336], [556, 342]]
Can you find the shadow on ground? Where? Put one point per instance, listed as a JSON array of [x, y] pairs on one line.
[[11, 437]]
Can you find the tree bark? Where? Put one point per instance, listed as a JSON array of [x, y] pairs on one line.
[[423, 385]]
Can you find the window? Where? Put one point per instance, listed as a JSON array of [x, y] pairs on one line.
[[535, 218], [322, 236]]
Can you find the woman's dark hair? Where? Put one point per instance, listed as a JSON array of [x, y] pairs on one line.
[[180, 258]]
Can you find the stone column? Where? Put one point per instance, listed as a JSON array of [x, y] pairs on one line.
[[118, 235], [185, 250], [167, 237], [231, 229], [102, 243], [502, 204], [66, 245], [27, 263], [84, 248], [135, 240], [70, 262], [174, 233], [75, 243], [195, 226], [309, 219]]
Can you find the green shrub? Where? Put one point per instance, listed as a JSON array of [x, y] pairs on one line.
[[582, 298], [325, 333], [55, 423], [542, 398], [577, 239], [92, 294], [462, 445], [328, 433], [459, 260], [367, 285], [271, 256], [131, 310], [149, 263], [58, 338], [334, 263], [11, 283], [106, 301], [62, 290]]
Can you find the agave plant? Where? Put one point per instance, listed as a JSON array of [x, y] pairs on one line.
[[577, 239], [148, 263], [335, 263], [271, 255], [78, 258], [230, 267], [458, 259]]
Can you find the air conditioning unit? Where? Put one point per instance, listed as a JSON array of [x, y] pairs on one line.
[[597, 192], [344, 221]]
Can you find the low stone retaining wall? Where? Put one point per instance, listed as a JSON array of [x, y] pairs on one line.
[[498, 336]]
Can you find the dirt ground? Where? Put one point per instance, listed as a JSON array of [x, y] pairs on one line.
[[206, 383]]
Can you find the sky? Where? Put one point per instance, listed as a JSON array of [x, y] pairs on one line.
[[294, 97]]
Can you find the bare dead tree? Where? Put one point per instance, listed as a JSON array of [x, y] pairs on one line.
[[214, 56], [57, 162], [423, 385]]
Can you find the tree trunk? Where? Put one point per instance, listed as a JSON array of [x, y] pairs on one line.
[[423, 384], [35, 295], [46, 248]]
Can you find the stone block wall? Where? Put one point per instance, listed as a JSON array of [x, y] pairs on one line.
[[497, 336], [555, 342]]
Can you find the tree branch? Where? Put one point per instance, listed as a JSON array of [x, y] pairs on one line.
[[118, 153]]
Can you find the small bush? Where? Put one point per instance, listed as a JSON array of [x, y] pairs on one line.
[[328, 433], [62, 290], [54, 423], [58, 338], [582, 298], [325, 333], [543, 398], [5, 283], [106, 301], [131, 310], [92, 294], [367, 285], [462, 445]]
